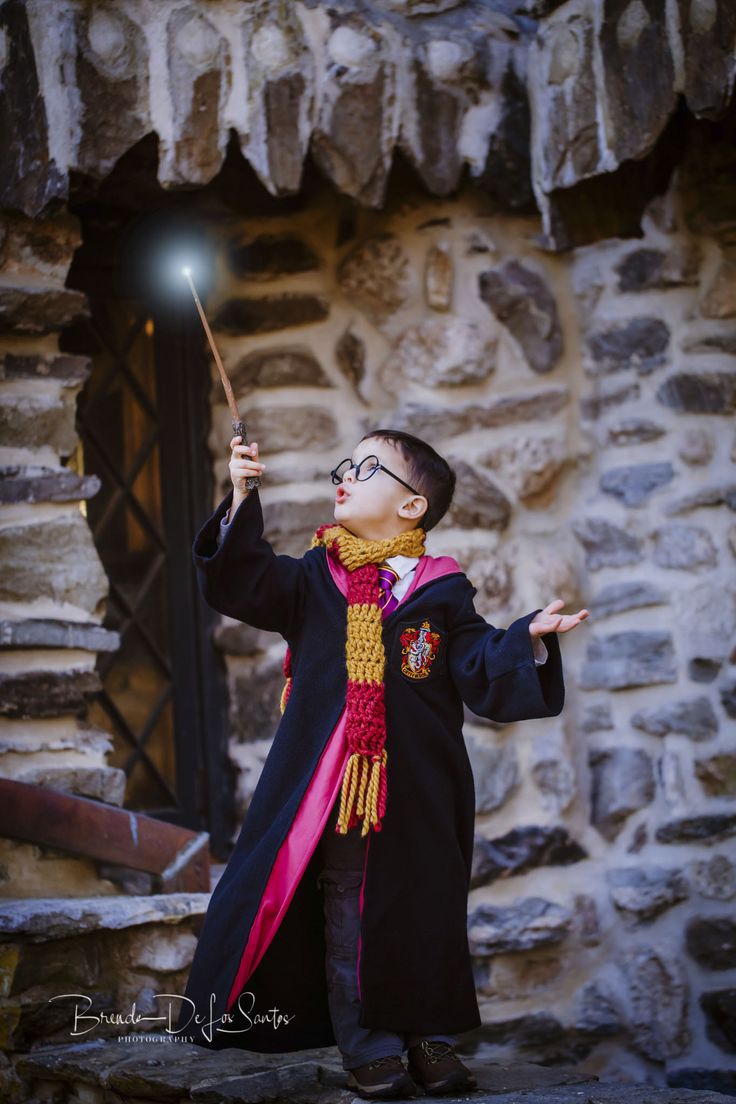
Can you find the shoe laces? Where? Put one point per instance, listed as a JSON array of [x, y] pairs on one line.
[[437, 1049], [380, 1061]]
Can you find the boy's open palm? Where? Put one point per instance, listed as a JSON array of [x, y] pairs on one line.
[[549, 620]]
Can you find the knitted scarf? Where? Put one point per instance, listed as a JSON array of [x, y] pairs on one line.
[[363, 791]]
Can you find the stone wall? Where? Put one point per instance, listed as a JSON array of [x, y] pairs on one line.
[[584, 396], [52, 585]]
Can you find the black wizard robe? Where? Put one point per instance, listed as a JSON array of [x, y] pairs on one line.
[[258, 976]]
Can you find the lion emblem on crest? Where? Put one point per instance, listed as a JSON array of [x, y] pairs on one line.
[[419, 647]]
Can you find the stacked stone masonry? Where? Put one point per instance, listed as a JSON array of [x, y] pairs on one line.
[[581, 383]]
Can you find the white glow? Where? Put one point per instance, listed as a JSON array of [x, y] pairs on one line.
[[181, 265]]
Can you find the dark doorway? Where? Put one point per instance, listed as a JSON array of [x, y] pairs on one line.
[[143, 419]]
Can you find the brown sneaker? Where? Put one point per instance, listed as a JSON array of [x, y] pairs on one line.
[[436, 1066], [382, 1079]]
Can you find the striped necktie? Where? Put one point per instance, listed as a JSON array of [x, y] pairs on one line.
[[387, 601]]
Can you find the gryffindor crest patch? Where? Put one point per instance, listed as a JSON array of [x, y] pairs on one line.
[[420, 646]]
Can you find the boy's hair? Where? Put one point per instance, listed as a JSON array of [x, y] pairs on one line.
[[429, 473]]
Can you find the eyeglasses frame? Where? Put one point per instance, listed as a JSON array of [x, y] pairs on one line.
[[337, 480]]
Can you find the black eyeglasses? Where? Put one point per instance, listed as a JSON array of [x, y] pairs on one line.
[[345, 465]]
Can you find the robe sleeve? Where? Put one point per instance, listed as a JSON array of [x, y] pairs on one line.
[[240, 575], [495, 670], [540, 651]]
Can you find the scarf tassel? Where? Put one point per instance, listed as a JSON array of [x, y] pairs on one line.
[[367, 775], [287, 685]]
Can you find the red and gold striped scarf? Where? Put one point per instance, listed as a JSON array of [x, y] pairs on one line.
[[363, 791]]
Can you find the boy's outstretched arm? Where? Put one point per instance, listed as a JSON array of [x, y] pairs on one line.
[[495, 670], [240, 575]]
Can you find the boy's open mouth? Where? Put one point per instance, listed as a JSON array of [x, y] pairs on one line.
[[341, 494]]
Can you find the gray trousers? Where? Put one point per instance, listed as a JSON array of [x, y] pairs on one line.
[[343, 859]]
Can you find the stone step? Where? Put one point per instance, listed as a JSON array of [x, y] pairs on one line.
[[216, 871], [124, 950], [63, 957], [45, 918], [155, 1068]]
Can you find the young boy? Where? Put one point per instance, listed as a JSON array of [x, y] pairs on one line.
[[341, 917]]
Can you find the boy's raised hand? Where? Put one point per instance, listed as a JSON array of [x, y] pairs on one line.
[[549, 620], [244, 462]]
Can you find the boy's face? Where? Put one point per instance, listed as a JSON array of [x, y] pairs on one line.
[[378, 507]]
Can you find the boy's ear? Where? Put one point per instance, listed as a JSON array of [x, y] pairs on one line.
[[418, 505]]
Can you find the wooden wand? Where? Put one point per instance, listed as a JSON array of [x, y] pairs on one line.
[[238, 423]]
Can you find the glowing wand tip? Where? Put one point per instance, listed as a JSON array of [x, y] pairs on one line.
[[186, 271]]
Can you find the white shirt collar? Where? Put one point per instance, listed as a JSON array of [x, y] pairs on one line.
[[402, 565]]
